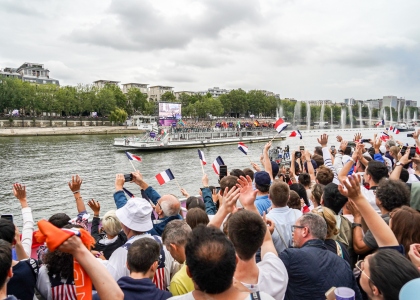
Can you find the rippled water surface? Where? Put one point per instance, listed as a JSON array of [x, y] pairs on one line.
[[46, 164]]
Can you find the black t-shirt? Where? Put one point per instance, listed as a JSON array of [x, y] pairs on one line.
[[332, 246], [22, 284]]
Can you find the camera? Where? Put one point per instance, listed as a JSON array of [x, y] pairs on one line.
[[412, 152], [128, 177], [302, 148], [298, 154], [364, 140], [332, 148], [409, 135], [403, 149]]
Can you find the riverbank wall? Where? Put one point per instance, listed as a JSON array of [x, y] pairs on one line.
[[78, 130]]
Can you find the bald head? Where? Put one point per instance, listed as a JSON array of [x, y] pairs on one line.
[[170, 205]]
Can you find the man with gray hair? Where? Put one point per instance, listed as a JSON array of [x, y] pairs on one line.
[[312, 269], [388, 145], [175, 238]]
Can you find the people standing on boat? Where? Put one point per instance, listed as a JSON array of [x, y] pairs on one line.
[[286, 154]]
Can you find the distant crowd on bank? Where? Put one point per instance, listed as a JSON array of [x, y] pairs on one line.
[[344, 217]]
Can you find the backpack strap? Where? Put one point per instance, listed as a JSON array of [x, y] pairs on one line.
[[339, 250], [281, 236]]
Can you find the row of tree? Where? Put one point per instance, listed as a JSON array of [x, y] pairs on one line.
[[82, 99]]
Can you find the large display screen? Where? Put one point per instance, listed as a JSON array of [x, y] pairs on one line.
[[169, 110]]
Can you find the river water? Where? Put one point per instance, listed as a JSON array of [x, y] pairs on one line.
[[46, 164]]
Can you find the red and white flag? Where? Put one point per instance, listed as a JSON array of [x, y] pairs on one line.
[[165, 176], [394, 130], [296, 133], [384, 136], [132, 156], [280, 125]]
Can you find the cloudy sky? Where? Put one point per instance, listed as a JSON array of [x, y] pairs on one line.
[[305, 49]]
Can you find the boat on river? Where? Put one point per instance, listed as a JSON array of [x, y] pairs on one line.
[[402, 126], [170, 138]]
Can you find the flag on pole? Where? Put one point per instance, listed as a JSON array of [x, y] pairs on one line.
[[380, 123], [280, 125], [129, 194], [216, 165], [132, 156], [201, 156], [394, 130], [165, 176], [296, 133], [243, 148], [384, 136]]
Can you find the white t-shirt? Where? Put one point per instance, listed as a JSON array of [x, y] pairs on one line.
[[272, 277], [189, 296], [370, 196], [412, 178], [117, 267]]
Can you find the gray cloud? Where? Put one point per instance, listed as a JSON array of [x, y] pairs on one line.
[[138, 26]]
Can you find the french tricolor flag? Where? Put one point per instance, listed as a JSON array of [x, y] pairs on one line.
[[217, 163], [165, 176], [243, 148], [394, 130], [296, 133], [201, 156], [280, 125], [380, 123], [132, 156], [384, 136]]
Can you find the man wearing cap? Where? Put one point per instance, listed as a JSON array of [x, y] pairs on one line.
[[135, 217], [167, 207], [262, 184]]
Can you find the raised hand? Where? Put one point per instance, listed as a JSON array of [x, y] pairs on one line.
[[269, 222], [75, 183], [323, 140], [137, 177], [357, 137], [205, 180], [267, 146], [256, 167], [404, 158], [229, 199], [19, 191], [416, 134], [414, 254], [95, 206], [184, 193], [352, 190], [339, 138], [343, 145], [352, 208], [248, 194], [119, 182]]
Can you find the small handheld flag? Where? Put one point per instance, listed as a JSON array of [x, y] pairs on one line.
[[132, 156], [394, 130], [280, 125], [380, 123], [243, 148], [216, 165], [165, 176], [384, 136], [201, 156], [296, 133]]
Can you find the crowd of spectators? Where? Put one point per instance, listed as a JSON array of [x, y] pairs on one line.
[[333, 219]]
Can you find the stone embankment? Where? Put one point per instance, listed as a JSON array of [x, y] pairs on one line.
[[84, 130]]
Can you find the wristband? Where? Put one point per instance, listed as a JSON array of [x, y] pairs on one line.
[[76, 192], [352, 160], [96, 216], [354, 225]]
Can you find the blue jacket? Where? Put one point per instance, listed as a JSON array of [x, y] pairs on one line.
[[378, 157], [208, 201], [313, 270], [139, 289], [158, 225]]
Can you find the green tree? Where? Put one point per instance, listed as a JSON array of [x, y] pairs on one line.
[[136, 99], [104, 102], [168, 97], [118, 115]]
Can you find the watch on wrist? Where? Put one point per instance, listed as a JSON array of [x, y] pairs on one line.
[[398, 164], [354, 225]]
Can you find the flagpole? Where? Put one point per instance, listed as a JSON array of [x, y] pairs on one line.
[[273, 137], [135, 170], [202, 168], [177, 183], [249, 159]]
